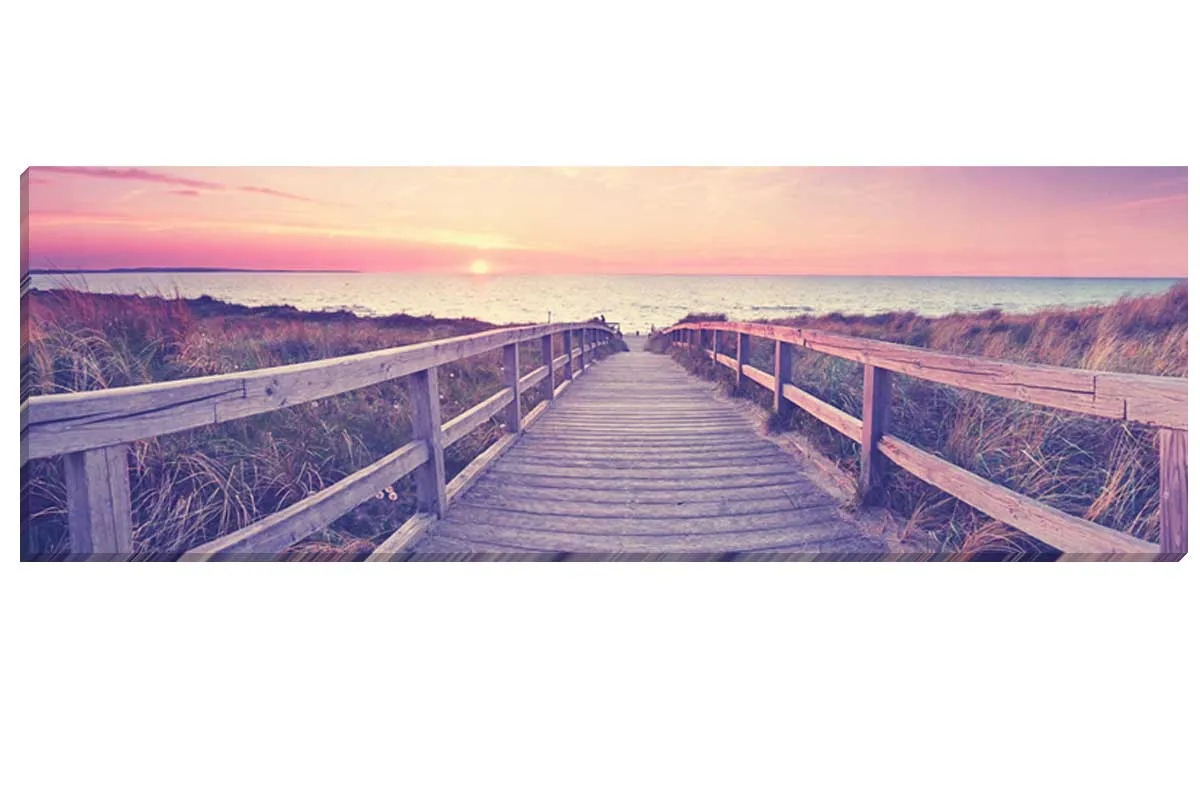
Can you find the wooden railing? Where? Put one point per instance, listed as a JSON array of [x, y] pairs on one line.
[[92, 431], [1157, 401]]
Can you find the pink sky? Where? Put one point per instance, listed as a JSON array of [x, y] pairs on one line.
[[907, 221]]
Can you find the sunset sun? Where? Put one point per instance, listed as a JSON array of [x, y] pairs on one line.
[[480, 267]]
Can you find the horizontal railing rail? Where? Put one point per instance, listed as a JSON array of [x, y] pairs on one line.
[[1159, 402], [92, 432]]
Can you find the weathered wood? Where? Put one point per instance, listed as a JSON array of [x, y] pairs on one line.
[[548, 359], [724, 501], [1160, 401], [570, 375], [99, 516], [877, 404], [743, 357], [468, 420], [1074, 536], [529, 500], [465, 480], [63, 423], [512, 381], [398, 542], [426, 416], [644, 461], [644, 443], [532, 379], [267, 537], [680, 464], [550, 479], [697, 475], [1157, 401], [829, 532], [782, 376], [534, 414], [848, 425], [1172, 488], [819, 511], [758, 376]]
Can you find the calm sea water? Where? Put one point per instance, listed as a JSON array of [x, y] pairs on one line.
[[636, 302]]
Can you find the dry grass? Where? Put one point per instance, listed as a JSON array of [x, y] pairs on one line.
[[191, 487], [1099, 469]]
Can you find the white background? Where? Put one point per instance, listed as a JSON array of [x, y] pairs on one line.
[[932, 686]]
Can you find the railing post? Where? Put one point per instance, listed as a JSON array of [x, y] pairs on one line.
[[512, 380], [570, 367], [1172, 494], [715, 338], [426, 417], [877, 397], [783, 376], [743, 356], [99, 514], [548, 359]]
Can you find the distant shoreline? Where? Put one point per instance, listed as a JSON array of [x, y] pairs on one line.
[[144, 270], [203, 270]]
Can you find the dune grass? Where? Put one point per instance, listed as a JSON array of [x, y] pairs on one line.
[[194, 486], [1098, 469]]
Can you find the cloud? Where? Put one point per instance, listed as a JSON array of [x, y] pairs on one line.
[[142, 175], [165, 178], [1151, 202], [274, 193], [185, 192]]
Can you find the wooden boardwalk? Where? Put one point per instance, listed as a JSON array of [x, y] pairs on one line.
[[638, 460], [633, 459]]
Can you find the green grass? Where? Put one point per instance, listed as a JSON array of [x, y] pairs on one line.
[[1099, 469], [194, 486]]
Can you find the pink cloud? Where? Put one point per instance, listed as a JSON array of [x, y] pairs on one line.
[[165, 178], [1152, 202]]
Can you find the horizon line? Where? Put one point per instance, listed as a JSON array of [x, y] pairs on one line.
[[276, 271]]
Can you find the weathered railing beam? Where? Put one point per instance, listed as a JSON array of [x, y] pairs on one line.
[[877, 398], [426, 418], [99, 513], [1172, 488], [1157, 401], [57, 424]]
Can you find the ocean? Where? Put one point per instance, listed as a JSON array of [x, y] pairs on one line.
[[637, 302]]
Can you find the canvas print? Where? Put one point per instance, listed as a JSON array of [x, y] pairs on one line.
[[604, 363]]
